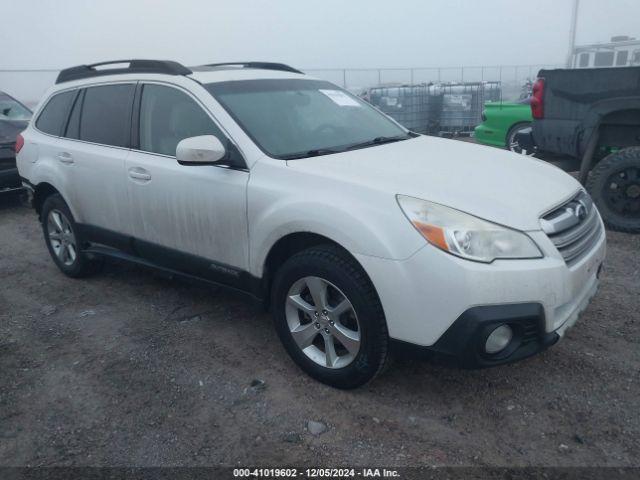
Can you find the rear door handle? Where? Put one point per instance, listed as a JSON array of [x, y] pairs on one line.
[[65, 157], [138, 173]]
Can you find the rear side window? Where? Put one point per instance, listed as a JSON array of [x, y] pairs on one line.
[[167, 116], [106, 114], [54, 115]]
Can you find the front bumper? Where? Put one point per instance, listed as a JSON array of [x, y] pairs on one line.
[[463, 343], [429, 295]]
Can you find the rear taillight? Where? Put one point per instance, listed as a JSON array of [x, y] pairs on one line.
[[537, 100], [19, 143]]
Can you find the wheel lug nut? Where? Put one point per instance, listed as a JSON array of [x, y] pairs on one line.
[[326, 330], [332, 323], [324, 312], [316, 313], [317, 325]]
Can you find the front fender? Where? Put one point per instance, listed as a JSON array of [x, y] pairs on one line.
[[397, 240]]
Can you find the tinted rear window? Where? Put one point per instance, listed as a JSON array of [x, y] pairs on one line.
[[54, 115], [106, 114]]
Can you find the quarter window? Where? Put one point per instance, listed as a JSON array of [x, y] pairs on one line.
[[106, 114], [167, 116], [54, 114]]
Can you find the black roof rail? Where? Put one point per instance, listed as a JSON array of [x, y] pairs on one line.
[[259, 65], [135, 66]]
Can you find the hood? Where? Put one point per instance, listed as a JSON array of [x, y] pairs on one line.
[[9, 130], [497, 185]]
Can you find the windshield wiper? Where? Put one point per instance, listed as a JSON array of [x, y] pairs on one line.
[[310, 153], [327, 151], [378, 141]]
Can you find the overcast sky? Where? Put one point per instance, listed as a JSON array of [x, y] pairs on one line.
[[305, 33]]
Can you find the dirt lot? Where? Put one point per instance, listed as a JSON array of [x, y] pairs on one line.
[[127, 368]]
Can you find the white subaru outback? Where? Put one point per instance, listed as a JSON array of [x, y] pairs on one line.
[[358, 234]]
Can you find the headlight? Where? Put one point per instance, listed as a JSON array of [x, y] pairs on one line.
[[464, 235]]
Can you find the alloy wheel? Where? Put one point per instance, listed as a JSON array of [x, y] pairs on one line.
[[323, 322], [61, 237]]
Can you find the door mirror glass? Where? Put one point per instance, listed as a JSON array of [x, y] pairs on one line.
[[204, 149]]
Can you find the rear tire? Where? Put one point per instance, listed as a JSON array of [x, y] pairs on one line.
[[614, 185], [299, 310], [511, 142], [63, 241]]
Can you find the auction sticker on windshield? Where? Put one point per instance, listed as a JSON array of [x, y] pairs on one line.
[[340, 98]]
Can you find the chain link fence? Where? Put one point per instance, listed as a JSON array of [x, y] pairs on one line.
[[511, 77], [28, 85]]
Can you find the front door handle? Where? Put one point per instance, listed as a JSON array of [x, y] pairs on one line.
[[138, 173], [65, 157]]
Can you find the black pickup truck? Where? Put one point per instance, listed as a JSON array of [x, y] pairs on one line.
[[592, 116]]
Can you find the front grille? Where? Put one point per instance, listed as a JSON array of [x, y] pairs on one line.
[[574, 227]]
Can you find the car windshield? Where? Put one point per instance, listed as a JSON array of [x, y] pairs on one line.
[[295, 118], [10, 109]]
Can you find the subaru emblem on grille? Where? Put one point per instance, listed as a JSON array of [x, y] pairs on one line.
[[574, 228]]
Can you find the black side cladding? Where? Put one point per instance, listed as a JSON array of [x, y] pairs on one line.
[[167, 67]]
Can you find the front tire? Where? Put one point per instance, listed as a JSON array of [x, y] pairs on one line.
[[62, 239], [329, 318], [614, 185]]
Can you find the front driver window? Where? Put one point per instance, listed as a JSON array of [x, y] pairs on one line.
[[167, 116]]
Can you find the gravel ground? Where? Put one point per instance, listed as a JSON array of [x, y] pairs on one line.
[[127, 368]]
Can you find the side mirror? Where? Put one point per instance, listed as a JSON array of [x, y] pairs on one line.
[[202, 150]]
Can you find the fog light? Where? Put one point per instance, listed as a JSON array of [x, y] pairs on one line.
[[499, 339]]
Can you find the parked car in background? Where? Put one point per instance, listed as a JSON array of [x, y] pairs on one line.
[[14, 117], [359, 235], [593, 117], [501, 123]]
